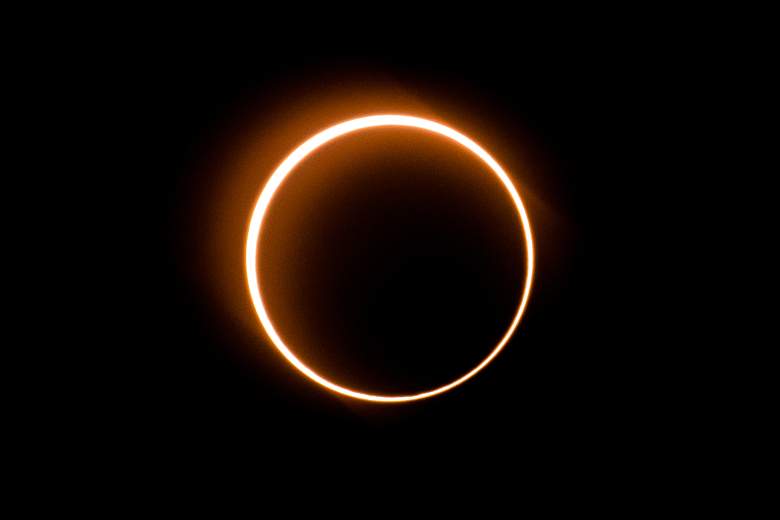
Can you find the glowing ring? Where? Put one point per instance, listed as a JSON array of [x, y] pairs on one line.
[[302, 152]]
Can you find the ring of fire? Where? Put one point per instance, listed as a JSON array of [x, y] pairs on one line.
[[287, 166]]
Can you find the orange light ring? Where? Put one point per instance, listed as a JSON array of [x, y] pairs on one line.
[[302, 152]]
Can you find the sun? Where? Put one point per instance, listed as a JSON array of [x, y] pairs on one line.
[[286, 168]]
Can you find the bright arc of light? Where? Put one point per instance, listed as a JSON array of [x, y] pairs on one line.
[[302, 152]]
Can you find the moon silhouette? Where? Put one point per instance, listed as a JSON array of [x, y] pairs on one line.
[[288, 165]]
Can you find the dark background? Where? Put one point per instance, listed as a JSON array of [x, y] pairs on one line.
[[582, 119]]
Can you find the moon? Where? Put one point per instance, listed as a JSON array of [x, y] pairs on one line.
[[286, 168]]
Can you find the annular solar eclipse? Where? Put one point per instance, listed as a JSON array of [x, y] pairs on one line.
[[288, 166]]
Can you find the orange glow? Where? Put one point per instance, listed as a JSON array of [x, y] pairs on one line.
[[287, 166]]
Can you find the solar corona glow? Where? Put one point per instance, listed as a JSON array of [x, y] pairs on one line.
[[289, 164]]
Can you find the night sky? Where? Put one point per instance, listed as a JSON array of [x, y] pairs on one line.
[[396, 274]]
